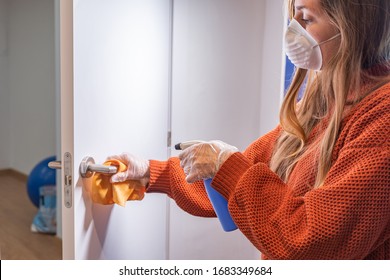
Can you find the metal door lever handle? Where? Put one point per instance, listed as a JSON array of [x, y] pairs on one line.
[[55, 164], [88, 167]]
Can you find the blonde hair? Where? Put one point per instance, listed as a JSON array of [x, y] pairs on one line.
[[365, 42]]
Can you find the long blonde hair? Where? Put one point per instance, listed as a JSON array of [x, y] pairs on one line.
[[365, 42]]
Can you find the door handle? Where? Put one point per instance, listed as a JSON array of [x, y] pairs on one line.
[[88, 167], [55, 164]]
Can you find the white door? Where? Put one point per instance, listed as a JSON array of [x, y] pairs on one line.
[[134, 72], [114, 98]]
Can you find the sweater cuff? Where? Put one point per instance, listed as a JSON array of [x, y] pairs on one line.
[[230, 173], [159, 177]]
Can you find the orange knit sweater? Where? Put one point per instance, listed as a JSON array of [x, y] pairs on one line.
[[347, 218]]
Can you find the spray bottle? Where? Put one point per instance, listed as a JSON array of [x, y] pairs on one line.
[[217, 200]]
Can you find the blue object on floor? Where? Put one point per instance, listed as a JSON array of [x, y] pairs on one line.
[[41, 175], [45, 220]]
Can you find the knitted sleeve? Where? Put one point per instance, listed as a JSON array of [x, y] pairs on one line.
[[261, 150], [168, 177], [346, 218]]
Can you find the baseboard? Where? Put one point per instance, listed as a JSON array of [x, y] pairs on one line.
[[14, 173]]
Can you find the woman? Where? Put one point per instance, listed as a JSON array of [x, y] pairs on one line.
[[318, 185]]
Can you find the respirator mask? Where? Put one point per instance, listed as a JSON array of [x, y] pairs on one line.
[[301, 48]]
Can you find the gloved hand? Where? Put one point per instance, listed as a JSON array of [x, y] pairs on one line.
[[203, 160], [137, 169]]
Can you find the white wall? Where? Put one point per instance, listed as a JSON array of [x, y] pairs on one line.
[[227, 66], [4, 93], [31, 83], [273, 63], [217, 63], [216, 94]]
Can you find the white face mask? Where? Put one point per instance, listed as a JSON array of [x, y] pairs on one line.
[[301, 48]]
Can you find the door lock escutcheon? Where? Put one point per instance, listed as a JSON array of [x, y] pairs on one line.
[[67, 177]]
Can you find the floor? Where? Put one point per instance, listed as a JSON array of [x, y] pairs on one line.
[[17, 242]]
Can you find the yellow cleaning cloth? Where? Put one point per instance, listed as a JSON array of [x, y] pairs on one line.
[[105, 192]]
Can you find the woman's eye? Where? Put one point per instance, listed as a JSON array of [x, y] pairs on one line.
[[306, 21]]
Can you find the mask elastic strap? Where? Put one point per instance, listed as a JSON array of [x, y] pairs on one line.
[[330, 39]]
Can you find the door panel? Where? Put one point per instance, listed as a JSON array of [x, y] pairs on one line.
[[119, 104]]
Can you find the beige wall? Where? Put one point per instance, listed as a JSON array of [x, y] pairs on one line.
[[28, 125], [4, 93]]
